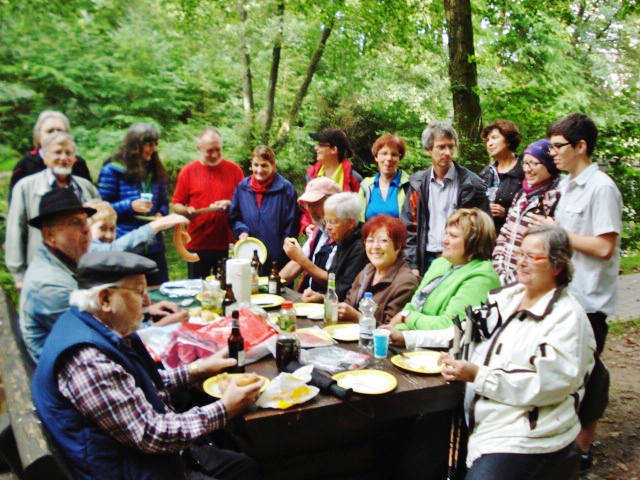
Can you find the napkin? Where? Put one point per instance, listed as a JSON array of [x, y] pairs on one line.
[[288, 389]]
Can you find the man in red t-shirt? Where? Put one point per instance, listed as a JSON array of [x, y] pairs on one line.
[[208, 181]]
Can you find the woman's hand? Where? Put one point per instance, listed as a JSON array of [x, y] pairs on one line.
[[537, 220], [395, 320], [497, 210], [243, 235], [141, 206], [348, 313], [312, 297], [457, 370], [223, 204], [396, 338]]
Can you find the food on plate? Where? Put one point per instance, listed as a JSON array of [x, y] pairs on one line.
[[313, 337], [195, 311], [208, 316], [180, 237], [243, 380]]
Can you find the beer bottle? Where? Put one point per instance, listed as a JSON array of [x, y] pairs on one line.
[[255, 262], [274, 279], [229, 300], [540, 207], [221, 274], [236, 343]]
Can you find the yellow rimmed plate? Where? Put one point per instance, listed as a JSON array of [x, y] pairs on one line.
[[368, 382], [244, 249], [344, 332], [150, 218], [309, 309], [424, 361], [211, 386], [266, 300]]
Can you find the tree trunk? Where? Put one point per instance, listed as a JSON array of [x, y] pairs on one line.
[[302, 91], [247, 83], [463, 76], [273, 75]]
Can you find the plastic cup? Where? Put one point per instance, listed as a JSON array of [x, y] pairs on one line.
[[381, 342], [147, 197]]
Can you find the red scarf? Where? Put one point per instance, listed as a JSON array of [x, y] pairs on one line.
[[260, 188]]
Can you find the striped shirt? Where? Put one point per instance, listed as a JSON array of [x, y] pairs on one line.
[[443, 197], [106, 394]]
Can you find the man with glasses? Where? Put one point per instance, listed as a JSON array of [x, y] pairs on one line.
[[22, 240], [108, 406], [51, 275], [590, 209], [314, 258], [436, 193]]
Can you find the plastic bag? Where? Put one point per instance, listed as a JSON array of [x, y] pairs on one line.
[[334, 359], [288, 389], [192, 341]]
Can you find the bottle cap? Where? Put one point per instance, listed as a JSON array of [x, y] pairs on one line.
[[287, 304], [368, 294]]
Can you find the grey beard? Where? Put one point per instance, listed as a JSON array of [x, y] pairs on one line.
[[62, 171]]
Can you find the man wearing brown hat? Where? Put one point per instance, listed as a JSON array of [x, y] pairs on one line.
[[102, 398], [311, 258], [332, 151]]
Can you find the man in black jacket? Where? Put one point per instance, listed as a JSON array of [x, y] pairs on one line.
[[436, 193]]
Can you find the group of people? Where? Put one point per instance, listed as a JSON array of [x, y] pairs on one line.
[[427, 245]]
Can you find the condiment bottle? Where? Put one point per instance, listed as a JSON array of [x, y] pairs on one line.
[[230, 254], [212, 297], [287, 342], [229, 301], [236, 343], [331, 302], [274, 280]]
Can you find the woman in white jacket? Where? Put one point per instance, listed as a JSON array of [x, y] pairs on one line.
[[526, 380]]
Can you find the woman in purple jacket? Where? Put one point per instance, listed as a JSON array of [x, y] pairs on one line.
[[265, 206], [133, 170]]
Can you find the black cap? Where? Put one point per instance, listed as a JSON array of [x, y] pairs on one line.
[[99, 268], [59, 200], [335, 137]]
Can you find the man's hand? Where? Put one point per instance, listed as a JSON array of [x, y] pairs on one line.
[[162, 308], [293, 250], [309, 230], [237, 399], [178, 317], [312, 297], [214, 364]]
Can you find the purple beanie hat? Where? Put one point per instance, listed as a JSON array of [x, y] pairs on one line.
[[540, 150]]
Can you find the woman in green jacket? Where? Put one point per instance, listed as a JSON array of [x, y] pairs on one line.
[[463, 276]]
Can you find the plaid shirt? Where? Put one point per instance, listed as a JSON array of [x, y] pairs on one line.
[[106, 394]]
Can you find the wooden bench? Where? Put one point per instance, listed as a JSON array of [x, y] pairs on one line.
[[24, 444]]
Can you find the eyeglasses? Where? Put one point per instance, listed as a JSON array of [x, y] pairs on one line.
[[530, 257], [310, 205], [331, 221], [531, 165], [77, 223], [142, 293], [555, 147], [381, 242]]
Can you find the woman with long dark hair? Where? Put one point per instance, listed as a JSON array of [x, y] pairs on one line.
[[134, 181]]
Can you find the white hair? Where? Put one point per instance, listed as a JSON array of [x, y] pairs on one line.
[[86, 300], [345, 205]]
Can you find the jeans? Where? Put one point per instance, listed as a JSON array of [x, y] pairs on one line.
[[560, 465]]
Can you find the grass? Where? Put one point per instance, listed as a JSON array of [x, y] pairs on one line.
[[621, 328], [630, 263]]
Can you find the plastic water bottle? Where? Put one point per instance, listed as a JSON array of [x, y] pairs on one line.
[[367, 321], [331, 302]]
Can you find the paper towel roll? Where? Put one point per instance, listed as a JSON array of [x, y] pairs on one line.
[[239, 275]]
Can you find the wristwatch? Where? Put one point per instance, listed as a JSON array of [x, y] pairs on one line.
[[404, 314]]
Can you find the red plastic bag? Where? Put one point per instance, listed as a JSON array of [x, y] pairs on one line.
[[191, 341]]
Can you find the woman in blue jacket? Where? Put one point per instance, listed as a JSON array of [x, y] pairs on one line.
[[265, 206], [133, 170]]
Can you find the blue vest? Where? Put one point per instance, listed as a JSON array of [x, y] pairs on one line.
[[92, 453]]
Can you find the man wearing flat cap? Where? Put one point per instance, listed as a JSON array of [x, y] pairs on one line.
[[100, 395], [332, 151], [314, 258]]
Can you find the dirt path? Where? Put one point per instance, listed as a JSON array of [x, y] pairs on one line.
[[617, 447]]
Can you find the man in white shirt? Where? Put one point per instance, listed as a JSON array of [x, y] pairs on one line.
[[590, 209]]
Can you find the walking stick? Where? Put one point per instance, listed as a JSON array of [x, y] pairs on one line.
[[456, 419]]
